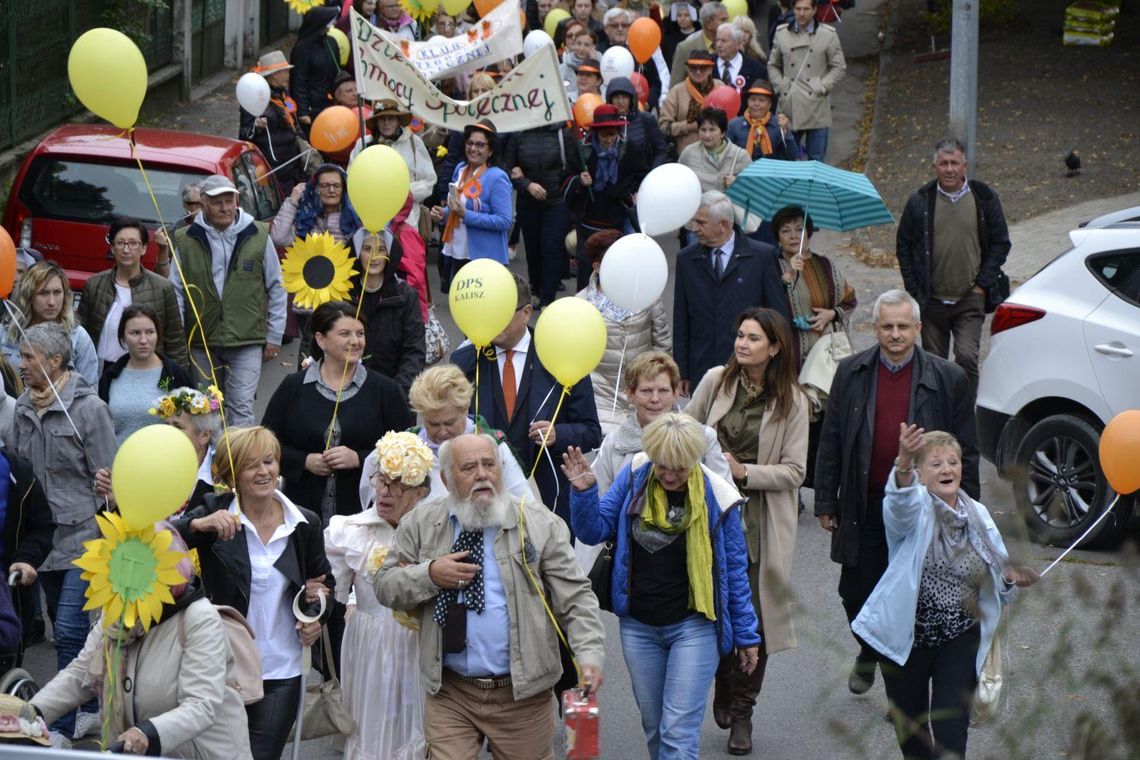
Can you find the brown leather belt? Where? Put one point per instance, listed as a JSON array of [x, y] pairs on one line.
[[483, 682]]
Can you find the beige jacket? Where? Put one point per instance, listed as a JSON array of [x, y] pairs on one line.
[[712, 171], [770, 527], [426, 533], [181, 691], [804, 69], [673, 113]]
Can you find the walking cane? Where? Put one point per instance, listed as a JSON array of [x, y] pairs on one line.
[[306, 663]]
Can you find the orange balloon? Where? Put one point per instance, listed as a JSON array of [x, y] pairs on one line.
[[486, 6], [1120, 452], [7, 263], [644, 38], [335, 129], [584, 108]]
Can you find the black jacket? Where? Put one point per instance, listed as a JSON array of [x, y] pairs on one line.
[[278, 141], [316, 62], [544, 155], [173, 376], [28, 526], [940, 400], [609, 208], [643, 130], [395, 343], [705, 309], [914, 244], [226, 573]]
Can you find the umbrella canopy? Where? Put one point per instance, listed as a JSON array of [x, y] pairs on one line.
[[836, 199]]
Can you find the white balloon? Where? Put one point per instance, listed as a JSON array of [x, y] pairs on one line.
[[616, 62], [668, 199], [253, 93], [634, 272], [535, 41]]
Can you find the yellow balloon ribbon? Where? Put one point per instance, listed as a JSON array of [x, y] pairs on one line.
[[378, 185], [108, 73], [570, 338], [153, 474]]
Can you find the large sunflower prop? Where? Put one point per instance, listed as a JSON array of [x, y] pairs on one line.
[[129, 573], [317, 270], [304, 6], [420, 11]]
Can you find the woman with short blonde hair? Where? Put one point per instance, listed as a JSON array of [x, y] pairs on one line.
[[674, 440], [440, 387]]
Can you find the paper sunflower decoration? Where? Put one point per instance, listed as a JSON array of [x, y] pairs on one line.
[[421, 12], [129, 573], [304, 6], [317, 270]]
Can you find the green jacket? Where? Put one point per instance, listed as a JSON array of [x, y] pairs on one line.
[[148, 288], [239, 316]]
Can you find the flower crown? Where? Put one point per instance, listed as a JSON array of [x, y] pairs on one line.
[[187, 401], [404, 457]]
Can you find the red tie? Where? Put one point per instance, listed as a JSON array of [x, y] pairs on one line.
[[509, 384]]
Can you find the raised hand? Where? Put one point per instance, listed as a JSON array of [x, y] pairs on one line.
[[577, 469]]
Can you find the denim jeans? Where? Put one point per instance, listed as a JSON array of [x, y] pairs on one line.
[[238, 370], [65, 591], [813, 142], [671, 668], [271, 719]]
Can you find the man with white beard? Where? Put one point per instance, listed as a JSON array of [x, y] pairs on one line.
[[473, 568]]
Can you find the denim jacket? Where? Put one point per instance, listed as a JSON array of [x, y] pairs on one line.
[[886, 621]]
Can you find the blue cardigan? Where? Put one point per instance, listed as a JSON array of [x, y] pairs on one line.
[[596, 521], [489, 228]]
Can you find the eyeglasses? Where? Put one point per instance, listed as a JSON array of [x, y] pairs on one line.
[[478, 144], [127, 245], [326, 187], [395, 487]]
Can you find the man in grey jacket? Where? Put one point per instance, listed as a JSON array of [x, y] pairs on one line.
[[474, 563]]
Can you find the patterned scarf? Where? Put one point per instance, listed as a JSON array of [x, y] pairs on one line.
[[468, 541], [606, 173], [695, 525], [43, 399], [697, 95], [756, 129], [311, 208], [468, 187]]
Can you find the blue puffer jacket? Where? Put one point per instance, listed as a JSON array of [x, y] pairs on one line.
[[598, 520]]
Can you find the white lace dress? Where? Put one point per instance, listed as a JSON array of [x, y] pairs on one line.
[[380, 672]]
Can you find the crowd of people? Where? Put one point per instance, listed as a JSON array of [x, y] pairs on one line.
[[454, 536]]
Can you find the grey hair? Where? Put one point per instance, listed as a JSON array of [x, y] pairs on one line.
[[737, 34], [708, 10], [948, 146], [50, 339], [211, 422], [613, 13], [447, 459], [189, 187], [718, 205], [896, 297]]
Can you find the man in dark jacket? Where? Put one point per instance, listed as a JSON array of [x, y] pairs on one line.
[[535, 396], [643, 129], [874, 392], [951, 244], [27, 529], [316, 59], [718, 277]]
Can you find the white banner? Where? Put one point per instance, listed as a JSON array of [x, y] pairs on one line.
[[530, 95], [497, 36]]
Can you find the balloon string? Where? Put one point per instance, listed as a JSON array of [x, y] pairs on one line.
[[176, 257], [549, 428], [15, 317], [279, 167], [111, 667], [621, 360], [1083, 535], [344, 372]]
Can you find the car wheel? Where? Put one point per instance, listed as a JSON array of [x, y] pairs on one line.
[[1060, 488]]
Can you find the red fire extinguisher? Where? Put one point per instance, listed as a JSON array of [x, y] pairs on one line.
[[583, 724]]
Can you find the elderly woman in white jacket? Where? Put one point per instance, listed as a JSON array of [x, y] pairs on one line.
[[934, 613], [628, 335], [388, 125]]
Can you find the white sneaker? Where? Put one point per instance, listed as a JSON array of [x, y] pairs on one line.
[[86, 724], [59, 741]]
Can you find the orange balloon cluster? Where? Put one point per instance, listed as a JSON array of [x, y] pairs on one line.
[[7, 263], [335, 129], [644, 38], [584, 108], [1120, 452]]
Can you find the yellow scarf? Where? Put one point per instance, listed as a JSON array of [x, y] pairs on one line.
[[756, 129], [698, 544]]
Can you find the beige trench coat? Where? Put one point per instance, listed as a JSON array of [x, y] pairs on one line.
[[770, 528], [804, 69], [673, 113]]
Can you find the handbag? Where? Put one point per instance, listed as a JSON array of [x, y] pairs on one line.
[[820, 365], [247, 680], [988, 694], [601, 577], [997, 293], [325, 713], [435, 338]]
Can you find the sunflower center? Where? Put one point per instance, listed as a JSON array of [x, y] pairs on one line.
[[318, 272], [133, 568]]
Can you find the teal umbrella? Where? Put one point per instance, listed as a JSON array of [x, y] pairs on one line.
[[834, 198]]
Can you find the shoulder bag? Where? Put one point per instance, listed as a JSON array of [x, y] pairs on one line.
[[820, 365], [985, 706], [435, 338], [325, 713]]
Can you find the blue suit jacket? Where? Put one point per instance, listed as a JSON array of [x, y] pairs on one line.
[[705, 309], [577, 423]]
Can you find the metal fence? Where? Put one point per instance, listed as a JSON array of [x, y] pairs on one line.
[[35, 38]]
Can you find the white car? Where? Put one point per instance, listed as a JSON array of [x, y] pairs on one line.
[[1064, 360]]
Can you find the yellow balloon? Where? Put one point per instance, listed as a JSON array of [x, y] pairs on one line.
[[378, 185], [455, 7], [341, 44], [482, 300], [153, 474], [570, 338], [736, 8], [108, 74], [553, 18]]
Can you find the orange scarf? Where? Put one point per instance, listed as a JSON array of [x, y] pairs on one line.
[[756, 128], [698, 97], [467, 187]]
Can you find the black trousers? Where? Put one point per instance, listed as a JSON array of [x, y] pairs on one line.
[[271, 719], [856, 583], [544, 229], [931, 695]]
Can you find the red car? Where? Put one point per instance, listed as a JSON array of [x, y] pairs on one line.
[[81, 176]]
